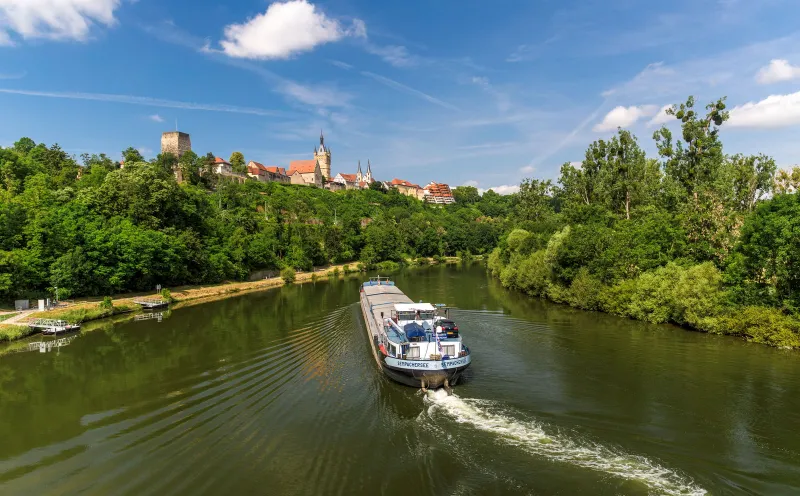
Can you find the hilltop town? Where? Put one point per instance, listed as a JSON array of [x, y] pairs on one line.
[[315, 172]]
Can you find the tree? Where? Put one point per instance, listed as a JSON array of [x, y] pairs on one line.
[[377, 186], [535, 199], [466, 195], [24, 146], [237, 163], [131, 155], [787, 181], [752, 179], [695, 161], [625, 174]]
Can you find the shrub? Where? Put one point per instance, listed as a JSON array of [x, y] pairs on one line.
[[439, 259], [585, 291], [166, 295], [422, 261], [314, 277], [288, 275], [345, 269], [758, 324], [698, 294], [335, 272], [495, 262], [466, 257], [107, 303], [387, 266], [361, 267], [533, 274]]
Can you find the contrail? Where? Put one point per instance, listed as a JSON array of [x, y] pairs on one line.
[[146, 101]]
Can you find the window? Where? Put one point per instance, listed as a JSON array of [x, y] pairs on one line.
[[392, 350], [449, 350], [413, 352]]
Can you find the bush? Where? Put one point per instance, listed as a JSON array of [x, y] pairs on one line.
[[495, 262], [439, 259], [288, 275], [107, 303], [314, 277], [466, 257], [585, 291], [421, 261], [533, 274], [361, 267], [335, 271], [387, 266], [758, 324], [166, 295], [345, 269]]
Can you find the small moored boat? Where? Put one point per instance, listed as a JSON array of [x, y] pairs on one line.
[[409, 341]]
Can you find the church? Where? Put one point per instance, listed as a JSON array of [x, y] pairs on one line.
[[359, 180], [312, 172]]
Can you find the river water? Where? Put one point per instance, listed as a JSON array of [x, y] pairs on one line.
[[277, 393]]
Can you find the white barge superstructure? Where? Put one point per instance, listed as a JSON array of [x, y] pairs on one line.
[[406, 341]]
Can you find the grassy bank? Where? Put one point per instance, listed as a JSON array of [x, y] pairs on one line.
[[93, 309]]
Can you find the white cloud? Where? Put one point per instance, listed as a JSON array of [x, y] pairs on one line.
[[54, 19], [144, 100], [504, 189], [624, 117], [778, 70], [155, 118], [527, 169], [317, 95], [286, 28], [771, 112], [662, 117], [341, 65], [472, 183], [481, 81], [396, 55]]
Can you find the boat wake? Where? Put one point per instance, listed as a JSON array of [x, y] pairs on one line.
[[532, 437]]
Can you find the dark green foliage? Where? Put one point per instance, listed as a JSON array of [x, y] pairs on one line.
[[288, 275], [632, 237], [128, 229]]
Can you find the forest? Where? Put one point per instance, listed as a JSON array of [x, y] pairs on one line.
[[99, 227], [694, 236]]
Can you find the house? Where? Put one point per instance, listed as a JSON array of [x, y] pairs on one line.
[[347, 181], [407, 188], [278, 174], [224, 169], [263, 173], [439, 194], [305, 172], [335, 186]]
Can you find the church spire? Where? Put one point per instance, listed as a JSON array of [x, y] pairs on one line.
[[369, 168], [321, 138], [359, 167]]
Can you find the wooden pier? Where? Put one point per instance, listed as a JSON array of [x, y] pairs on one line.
[[159, 316], [45, 346], [51, 326], [149, 303]]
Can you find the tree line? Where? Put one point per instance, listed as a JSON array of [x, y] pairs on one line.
[[692, 236], [100, 227]]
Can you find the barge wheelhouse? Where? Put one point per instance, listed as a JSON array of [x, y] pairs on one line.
[[407, 339]]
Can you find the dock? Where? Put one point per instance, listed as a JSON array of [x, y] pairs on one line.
[[149, 303], [52, 326], [45, 346]]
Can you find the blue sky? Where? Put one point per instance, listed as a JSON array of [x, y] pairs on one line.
[[469, 92]]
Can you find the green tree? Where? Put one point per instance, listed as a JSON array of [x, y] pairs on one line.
[[237, 162], [466, 195]]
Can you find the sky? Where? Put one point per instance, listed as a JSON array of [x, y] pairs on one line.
[[466, 93]]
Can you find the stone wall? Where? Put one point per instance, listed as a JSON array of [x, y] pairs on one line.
[[176, 143]]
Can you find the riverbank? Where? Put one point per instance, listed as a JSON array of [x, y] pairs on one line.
[[89, 309]]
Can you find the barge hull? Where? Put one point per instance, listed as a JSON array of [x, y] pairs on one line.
[[430, 374]]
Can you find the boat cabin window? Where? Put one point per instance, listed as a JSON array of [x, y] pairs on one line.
[[449, 350], [413, 352], [392, 350], [415, 315]]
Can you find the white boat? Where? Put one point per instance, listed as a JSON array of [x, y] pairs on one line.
[[406, 341]]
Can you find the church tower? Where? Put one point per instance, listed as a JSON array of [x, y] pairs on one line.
[[323, 157], [359, 175], [368, 178]]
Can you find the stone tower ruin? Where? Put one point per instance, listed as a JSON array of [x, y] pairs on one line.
[[176, 143]]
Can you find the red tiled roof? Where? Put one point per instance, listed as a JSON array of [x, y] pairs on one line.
[[275, 169], [220, 160], [437, 189], [403, 182], [302, 166], [350, 178]]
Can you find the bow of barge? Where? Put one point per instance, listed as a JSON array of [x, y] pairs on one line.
[[407, 339]]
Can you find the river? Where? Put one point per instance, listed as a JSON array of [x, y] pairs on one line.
[[276, 393]]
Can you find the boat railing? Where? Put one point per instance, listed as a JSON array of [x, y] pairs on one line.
[[379, 281]]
